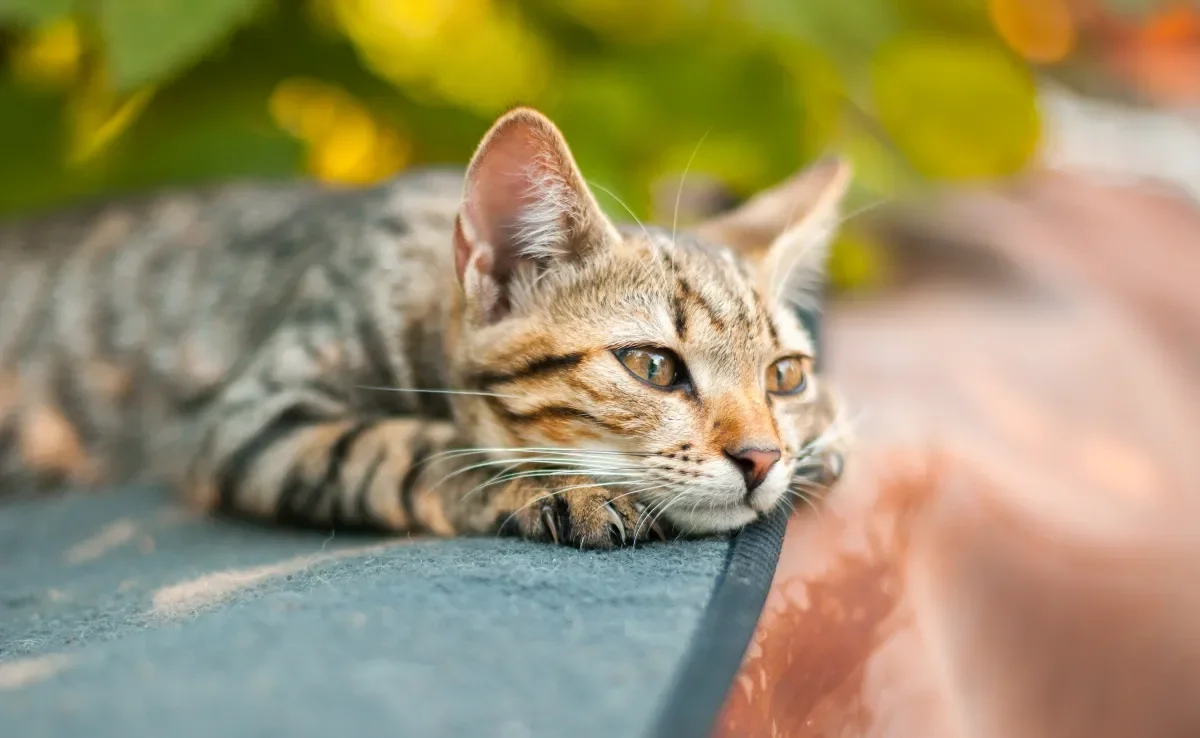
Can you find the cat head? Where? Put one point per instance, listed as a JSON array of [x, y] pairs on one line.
[[672, 365]]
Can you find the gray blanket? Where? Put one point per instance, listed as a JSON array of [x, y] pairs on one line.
[[121, 615]]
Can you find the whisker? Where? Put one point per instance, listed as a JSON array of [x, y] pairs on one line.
[[497, 462], [640, 490], [529, 504], [436, 391], [534, 449], [645, 232], [645, 517], [549, 459], [504, 477], [682, 180], [650, 513], [663, 511], [808, 501], [865, 209]]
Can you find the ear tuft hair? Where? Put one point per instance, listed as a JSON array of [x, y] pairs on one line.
[[525, 207]]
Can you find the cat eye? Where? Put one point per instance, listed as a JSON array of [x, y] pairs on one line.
[[657, 367], [787, 376]]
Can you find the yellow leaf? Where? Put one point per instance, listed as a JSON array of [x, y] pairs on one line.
[[51, 54], [99, 116], [1039, 30]]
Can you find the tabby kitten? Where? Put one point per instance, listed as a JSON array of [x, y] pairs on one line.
[[426, 356]]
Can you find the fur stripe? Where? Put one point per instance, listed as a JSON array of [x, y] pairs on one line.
[[331, 485], [408, 485], [362, 492], [680, 316], [235, 470], [687, 293], [540, 366], [552, 412]]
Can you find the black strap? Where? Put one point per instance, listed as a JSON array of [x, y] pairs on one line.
[[714, 656]]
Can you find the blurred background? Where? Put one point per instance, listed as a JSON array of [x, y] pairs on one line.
[[110, 96], [1059, 135]]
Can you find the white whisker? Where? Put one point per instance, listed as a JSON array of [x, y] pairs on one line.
[[437, 391], [680, 496], [864, 209], [649, 239], [503, 477], [682, 180], [556, 451]]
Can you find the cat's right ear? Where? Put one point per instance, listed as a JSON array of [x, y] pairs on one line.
[[525, 207]]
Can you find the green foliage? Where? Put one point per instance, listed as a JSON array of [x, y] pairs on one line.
[[32, 12], [959, 110], [150, 40], [103, 96]]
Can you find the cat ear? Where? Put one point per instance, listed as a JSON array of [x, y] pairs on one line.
[[788, 229], [525, 207]]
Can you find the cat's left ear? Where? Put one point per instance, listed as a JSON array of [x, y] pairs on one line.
[[788, 229], [526, 208]]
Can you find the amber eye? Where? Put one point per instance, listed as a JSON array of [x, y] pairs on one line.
[[658, 367], [787, 376]]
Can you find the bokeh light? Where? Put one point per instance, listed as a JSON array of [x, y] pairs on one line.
[[126, 95]]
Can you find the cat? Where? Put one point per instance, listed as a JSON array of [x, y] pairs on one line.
[[445, 353]]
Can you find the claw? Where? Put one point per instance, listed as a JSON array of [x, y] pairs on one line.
[[548, 521], [616, 520], [658, 531]]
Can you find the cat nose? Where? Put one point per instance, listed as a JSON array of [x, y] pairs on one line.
[[755, 464]]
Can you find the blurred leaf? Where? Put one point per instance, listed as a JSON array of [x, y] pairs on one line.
[[877, 168], [961, 16], [634, 21], [958, 109], [857, 262], [31, 137], [207, 150], [33, 12], [823, 91], [1039, 30], [845, 28], [150, 40], [50, 55]]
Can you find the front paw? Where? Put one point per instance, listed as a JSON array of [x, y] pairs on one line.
[[576, 512]]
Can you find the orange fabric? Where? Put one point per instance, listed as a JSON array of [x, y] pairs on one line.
[[1015, 549]]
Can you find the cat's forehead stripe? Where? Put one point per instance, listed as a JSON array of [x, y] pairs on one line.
[[741, 302]]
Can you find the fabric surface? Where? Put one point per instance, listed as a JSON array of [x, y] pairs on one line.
[[121, 615], [1014, 549]]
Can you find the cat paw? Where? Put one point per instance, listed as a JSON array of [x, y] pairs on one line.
[[585, 517], [833, 465], [824, 469]]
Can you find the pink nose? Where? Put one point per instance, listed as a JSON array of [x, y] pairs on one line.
[[755, 464]]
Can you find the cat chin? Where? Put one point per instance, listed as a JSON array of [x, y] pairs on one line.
[[707, 521]]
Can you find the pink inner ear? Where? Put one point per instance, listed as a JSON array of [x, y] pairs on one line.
[[505, 186]]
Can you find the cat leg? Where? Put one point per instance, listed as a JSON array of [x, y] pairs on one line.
[[300, 458], [306, 463]]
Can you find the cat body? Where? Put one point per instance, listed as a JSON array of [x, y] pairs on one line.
[[443, 353]]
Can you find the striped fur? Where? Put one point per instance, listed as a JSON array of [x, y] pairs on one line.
[[282, 352]]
